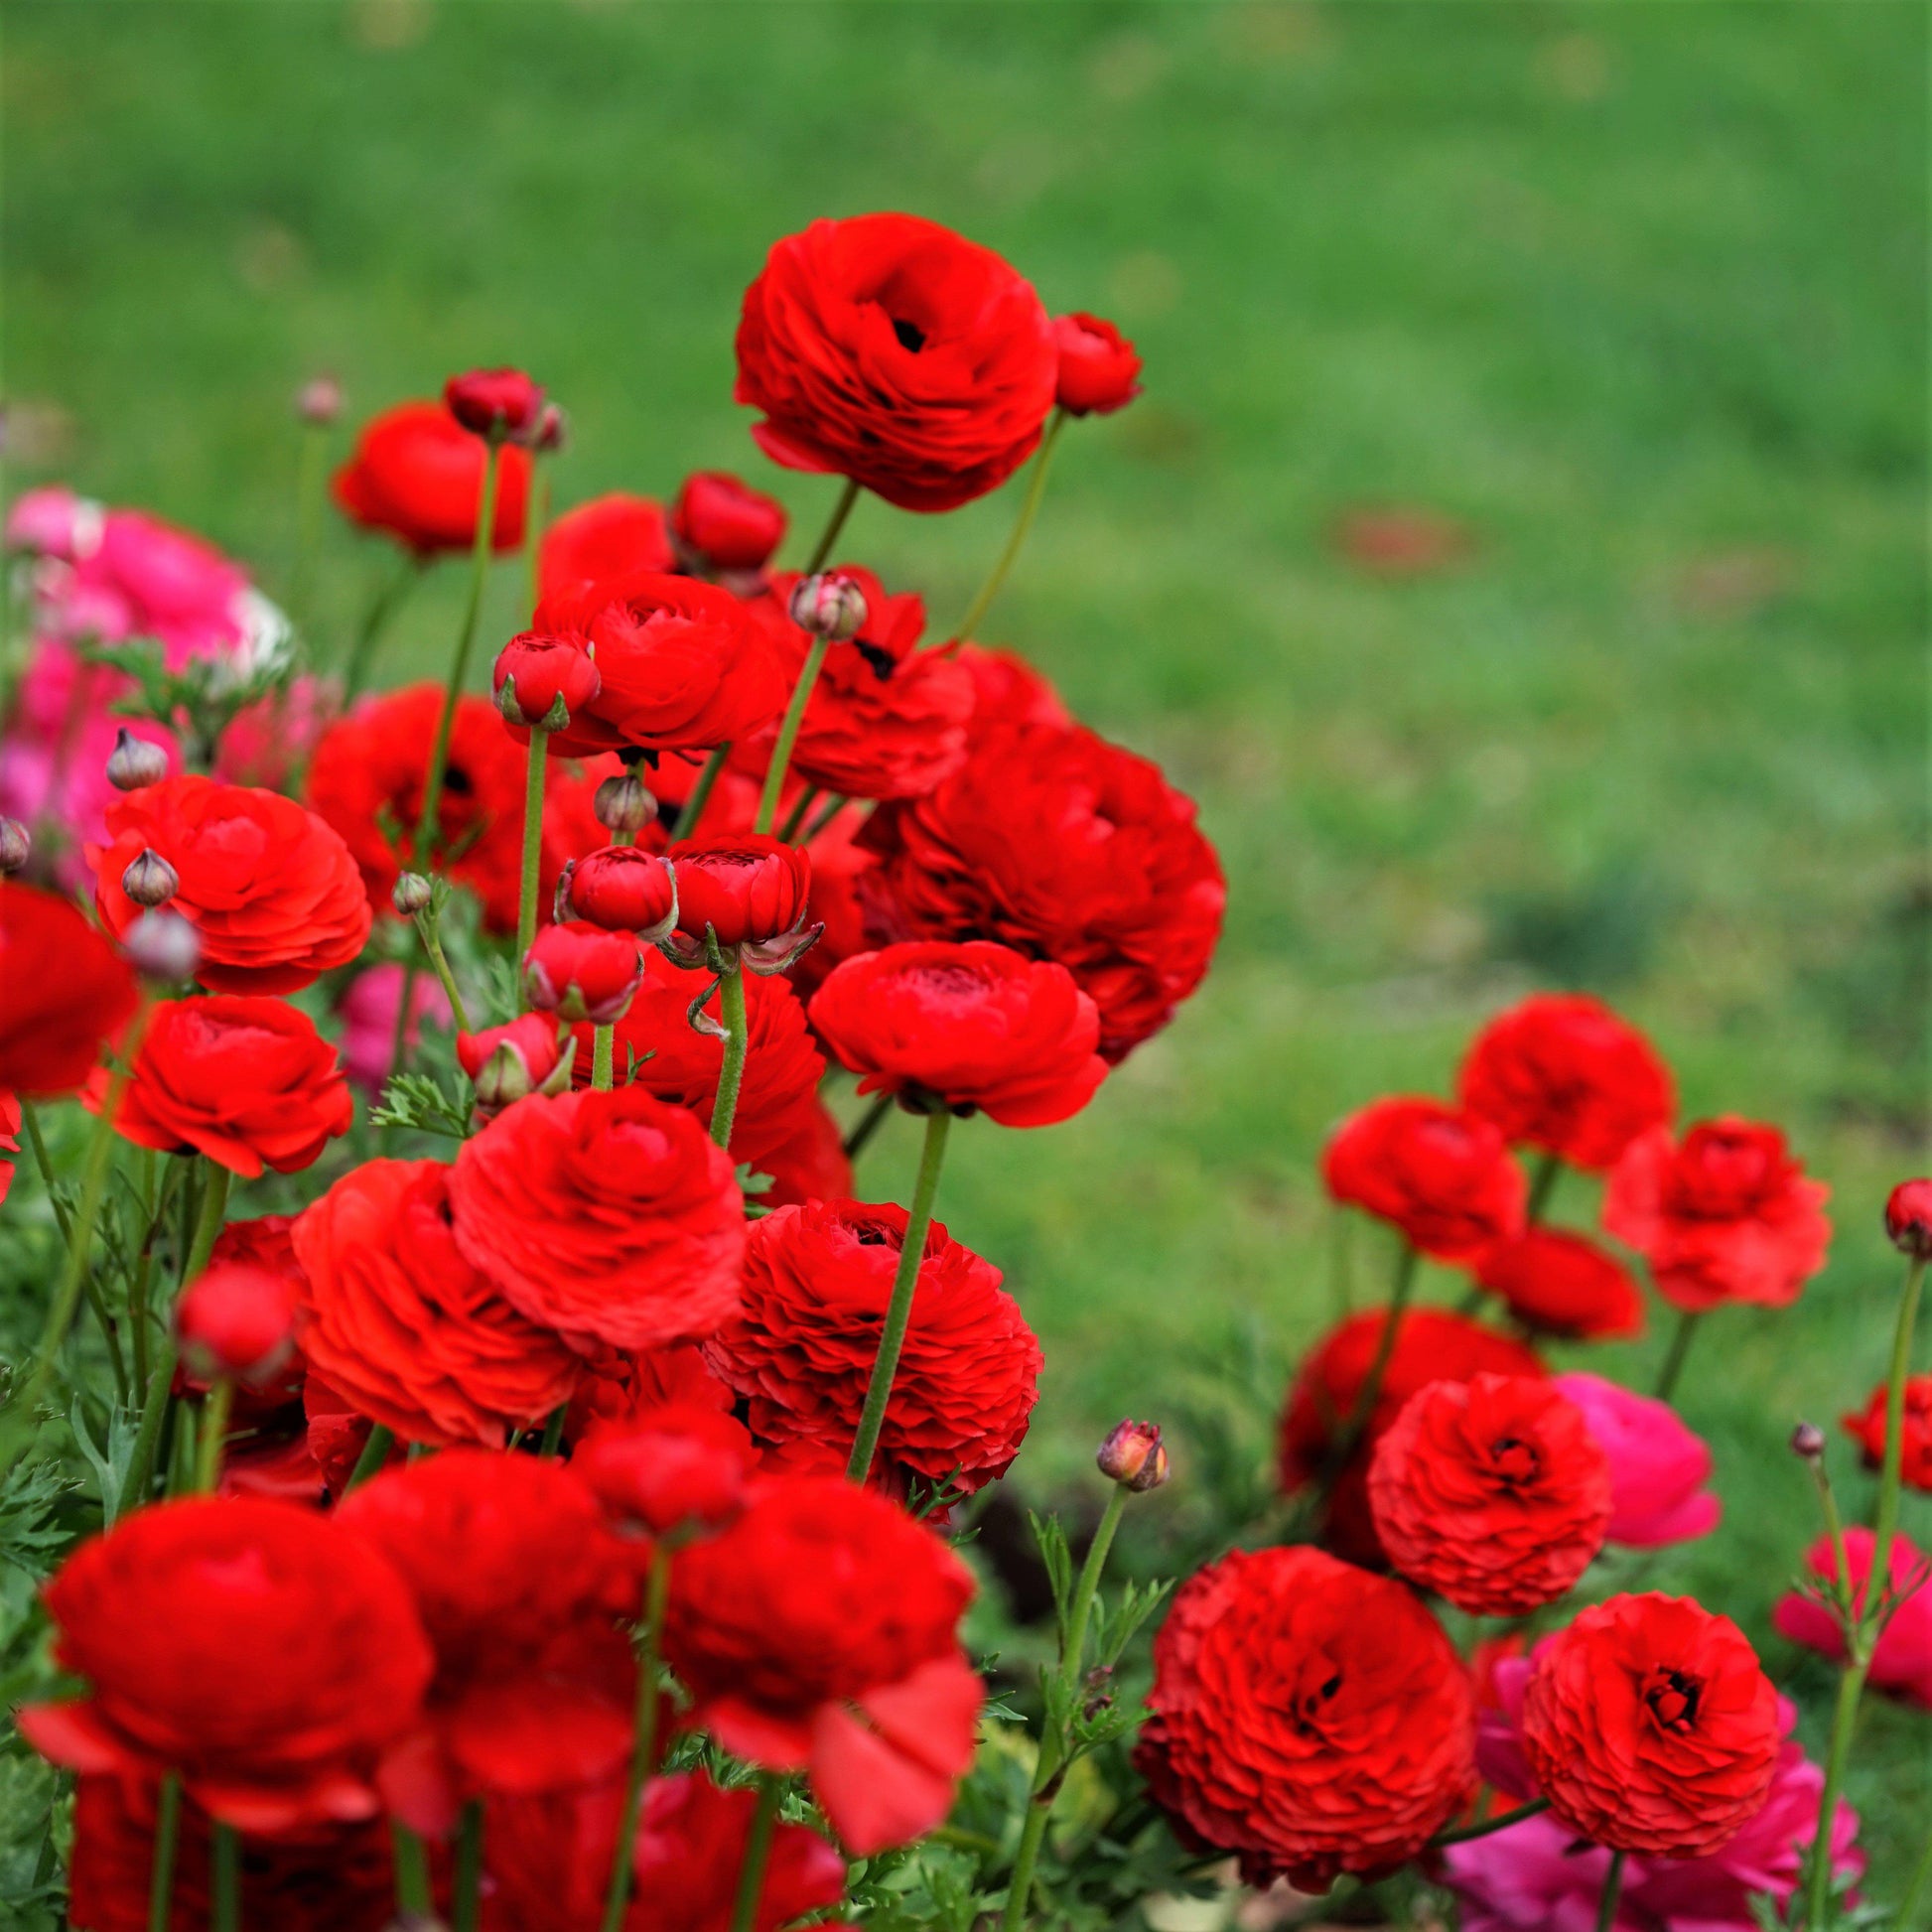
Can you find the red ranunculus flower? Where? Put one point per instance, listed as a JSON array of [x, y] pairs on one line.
[[1562, 1283], [1069, 848], [520, 1589], [69, 992], [620, 1385], [1431, 1345], [322, 1878], [505, 1064], [746, 886], [1007, 690], [900, 354], [1308, 1717], [238, 1322], [245, 1080], [1099, 371], [408, 1332], [416, 474], [818, 1633], [680, 664], [260, 1246], [1908, 1218], [582, 972], [809, 1163], [535, 673], [723, 524], [1443, 1178], [496, 404], [271, 891], [1491, 1492], [10, 1119], [1650, 1728], [607, 1217], [972, 1027], [616, 535], [623, 889], [1867, 1428], [801, 1346], [1562, 1073], [258, 1650], [1902, 1661], [1725, 1214], [680, 1466]]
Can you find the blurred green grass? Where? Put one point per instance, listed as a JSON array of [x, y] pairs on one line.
[[1635, 295]]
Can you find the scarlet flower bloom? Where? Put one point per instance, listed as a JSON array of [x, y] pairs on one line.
[[1071, 848], [607, 1217], [416, 474], [1658, 1466], [969, 1027], [895, 353], [271, 891], [622, 888], [10, 1119], [499, 405], [519, 1587], [680, 1466], [1901, 1663], [1098, 371], [807, 1161], [1562, 1073], [260, 1651], [616, 535], [623, 1386], [541, 681], [410, 1333], [748, 889], [1867, 1428], [724, 524], [579, 971], [818, 1633], [1725, 1214], [1908, 1218], [505, 1064], [1340, 1683], [680, 665], [1431, 1345], [1650, 1728], [1007, 690], [1562, 1284], [1491, 1492], [253, 1248], [67, 992], [247, 1081], [1443, 1178], [801, 1346], [239, 1321]]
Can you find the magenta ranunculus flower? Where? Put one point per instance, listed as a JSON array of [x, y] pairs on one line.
[[1658, 1468], [369, 1017], [1901, 1665]]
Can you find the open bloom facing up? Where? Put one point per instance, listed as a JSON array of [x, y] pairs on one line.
[[69, 993], [1658, 1466], [1901, 1665], [416, 474], [1443, 1178]]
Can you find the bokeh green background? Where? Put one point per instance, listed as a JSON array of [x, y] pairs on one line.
[[1628, 299]]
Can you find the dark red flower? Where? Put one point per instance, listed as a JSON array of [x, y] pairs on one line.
[[897, 353], [1562, 1073], [1725, 1214], [416, 474], [1650, 1728], [610, 536], [608, 1216], [1491, 1492], [973, 1026], [680, 1466], [1307, 1717], [723, 524], [580, 972], [69, 992], [506, 1063], [237, 1321], [801, 1346], [1068, 849], [747, 888], [260, 1651], [245, 1080], [1908, 1218], [1562, 1283], [1099, 371], [271, 891], [536, 674], [408, 1332], [1431, 1345], [1867, 1428], [499, 405], [1443, 1178]]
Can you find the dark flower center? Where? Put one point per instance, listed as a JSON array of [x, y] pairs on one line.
[[1516, 1460], [1311, 1705], [911, 334], [870, 1234], [458, 781], [1673, 1699]]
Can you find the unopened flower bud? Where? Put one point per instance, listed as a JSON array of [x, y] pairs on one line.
[[1808, 1441], [412, 894], [500, 405], [16, 847], [725, 525], [163, 946], [1134, 1456], [319, 402], [150, 880], [553, 429], [829, 606], [580, 972], [542, 680], [237, 1322], [509, 1063], [134, 762], [1908, 1218], [623, 804], [623, 889]]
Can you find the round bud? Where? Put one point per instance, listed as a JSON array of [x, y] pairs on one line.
[[623, 804], [1808, 1441], [134, 762], [150, 880], [16, 847], [412, 894], [319, 402], [830, 606], [163, 946], [1134, 1455], [553, 427], [237, 1322], [1908, 1218]]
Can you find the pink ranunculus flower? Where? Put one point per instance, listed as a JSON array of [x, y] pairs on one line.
[[1902, 1666], [1658, 1468], [52, 521], [268, 742], [369, 1015]]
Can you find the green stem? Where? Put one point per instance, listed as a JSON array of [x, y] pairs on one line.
[[387, 601], [657, 1590], [1350, 1432], [775, 776], [1548, 1170], [467, 1903], [147, 1437], [1500, 1823], [375, 1452], [413, 1899], [553, 1431], [143, 1271], [208, 1223], [1074, 1644], [536, 517], [1022, 1882], [1611, 1892], [604, 1053], [898, 1309], [224, 1879], [167, 1837], [788, 831], [111, 1333], [731, 1069], [399, 1038], [823, 818], [870, 1123], [214, 1429], [758, 1850], [1845, 1716], [428, 825], [1884, 1523], [433, 945], [1916, 1889], [840, 511], [1016, 538], [693, 807], [1680, 1347], [526, 891], [181, 1461], [30, 1116]]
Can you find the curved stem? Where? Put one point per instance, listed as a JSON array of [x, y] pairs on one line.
[[1016, 537], [898, 1309], [433, 945], [657, 1590], [807, 798], [823, 818], [731, 1069], [693, 807], [1680, 1347], [775, 776], [224, 1879], [526, 891], [1611, 1892], [757, 1851], [840, 511]]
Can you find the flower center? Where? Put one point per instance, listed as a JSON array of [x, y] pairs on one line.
[[1673, 1699], [1516, 1460], [911, 334], [1313, 1704]]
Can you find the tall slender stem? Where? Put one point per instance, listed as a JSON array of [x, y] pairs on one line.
[[807, 798], [467, 1899], [1016, 538], [1502, 1821], [429, 824], [604, 1053], [1916, 1889], [224, 1879], [536, 520], [1885, 1522], [375, 1452], [208, 1223], [757, 1851], [400, 1040], [1680, 1347], [1607, 1901], [1350, 1432], [731, 1069], [898, 1309], [775, 776], [413, 1899], [167, 1837], [700, 794], [526, 891], [433, 945], [830, 534], [1543, 1184], [553, 1431], [1032, 1833], [643, 1754], [146, 1436], [214, 1429]]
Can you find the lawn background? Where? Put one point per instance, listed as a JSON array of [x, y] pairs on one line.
[[1634, 293]]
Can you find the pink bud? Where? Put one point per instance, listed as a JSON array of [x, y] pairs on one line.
[[1134, 1455], [829, 606]]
